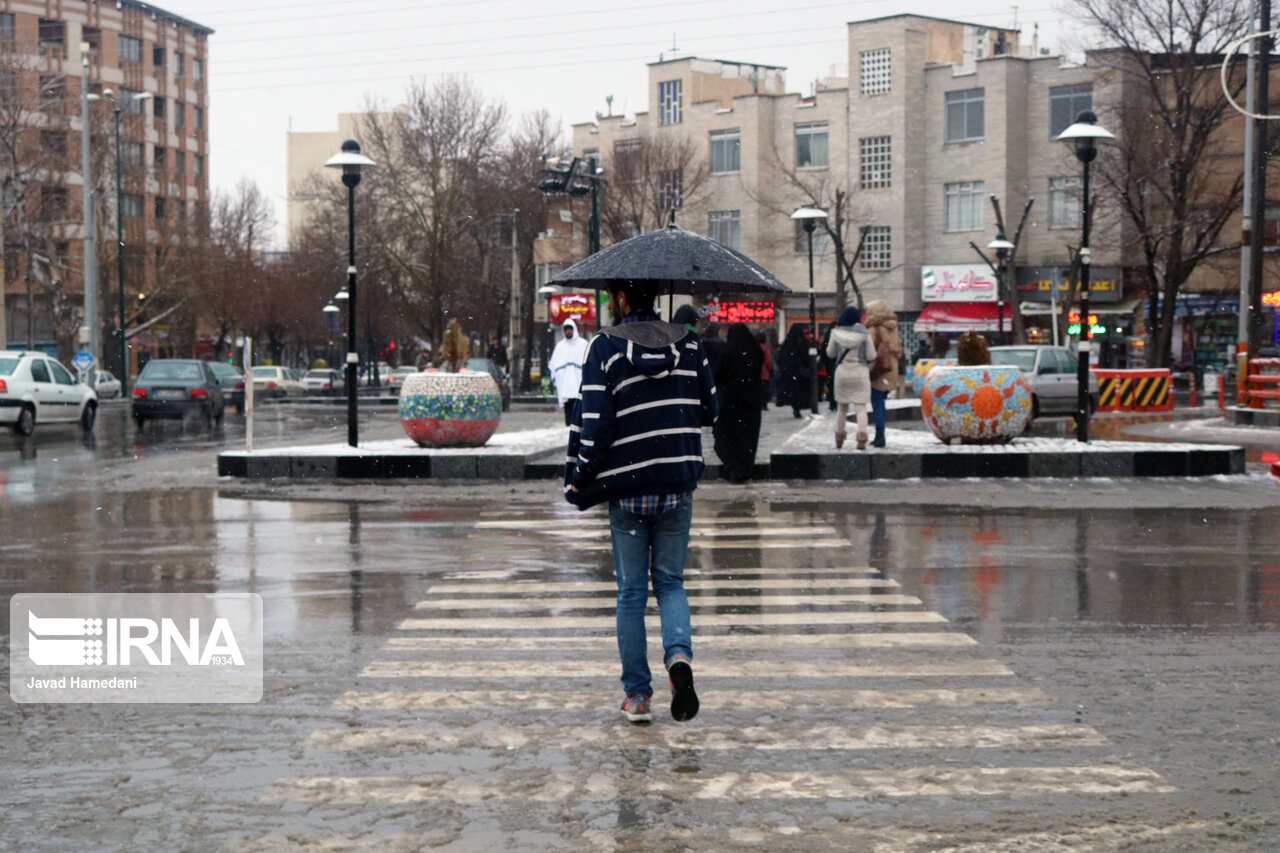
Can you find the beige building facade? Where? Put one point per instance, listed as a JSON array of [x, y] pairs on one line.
[[305, 156]]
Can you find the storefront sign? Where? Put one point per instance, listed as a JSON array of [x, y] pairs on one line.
[[1036, 284], [957, 283], [742, 312], [1271, 300], [578, 307]]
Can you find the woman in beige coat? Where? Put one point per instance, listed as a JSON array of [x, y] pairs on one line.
[[850, 347], [883, 326]]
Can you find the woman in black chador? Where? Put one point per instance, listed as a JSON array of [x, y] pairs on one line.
[[737, 431], [794, 370]]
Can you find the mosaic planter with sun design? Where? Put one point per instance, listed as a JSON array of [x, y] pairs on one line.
[[981, 404], [441, 409], [920, 371]]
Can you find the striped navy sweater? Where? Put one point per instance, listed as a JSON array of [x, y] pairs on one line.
[[647, 391]]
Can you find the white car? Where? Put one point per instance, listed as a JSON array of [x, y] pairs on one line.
[[35, 388], [324, 381], [106, 386], [1051, 372], [277, 382]]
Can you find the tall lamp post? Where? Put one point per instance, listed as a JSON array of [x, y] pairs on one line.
[[120, 104], [1084, 136], [808, 218], [1002, 247], [89, 228], [351, 161], [559, 178]]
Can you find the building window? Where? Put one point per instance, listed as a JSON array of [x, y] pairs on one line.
[[1067, 102], [53, 88], [157, 57], [6, 26], [543, 273], [53, 38], [726, 151], [179, 64], [725, 227], [180, 164], [130, 49], [182, 210], [179, 114], [875, 71], [669, 102], [964, 206], [199, 165], [53, 144], [627, 166], [669, 189], [129, 97], [8, 84], [965, 117], [876, 249], [197, 69], [811, 145], [157, 108], [131, 206], [92, 36], [821, 239], [131, 153], [197, 118], [160, 160], [160, 207], [1064, 203], [53, 204], [874, 151]]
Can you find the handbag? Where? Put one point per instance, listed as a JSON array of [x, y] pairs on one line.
[[884, 360]]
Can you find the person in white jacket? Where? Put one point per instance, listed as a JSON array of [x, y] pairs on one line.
[[566, 368], [854, 352]]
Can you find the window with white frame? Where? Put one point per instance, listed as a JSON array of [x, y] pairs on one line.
[[876, 248], [543, 273], [821, 239], [132, 103], [965, 115], [1067, 102], [963, 205], [726, 151], [669, 102], [725, 227], [875, 151], [670, 184], [811, 145], [875, 71], [130, 49], [1064, 203], [199, 165]]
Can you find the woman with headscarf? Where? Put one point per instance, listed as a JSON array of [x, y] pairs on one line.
[[737, 430], [883, 326], [851, 348], [794, 369], [566, 368]]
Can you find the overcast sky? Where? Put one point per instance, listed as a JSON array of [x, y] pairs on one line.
[[278, 64]]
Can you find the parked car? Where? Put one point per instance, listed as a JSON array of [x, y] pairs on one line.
[[271, 381], [488, 365], [1051, 373], [177, 388], [366, 375], [324, 381], [35, 388], [232, 382], [106, 386], [396, 379]]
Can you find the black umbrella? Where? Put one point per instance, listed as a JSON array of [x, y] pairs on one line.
[[680, 261]]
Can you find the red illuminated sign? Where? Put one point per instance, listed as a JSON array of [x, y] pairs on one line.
[[578, 307], [742, 312], [1074, 317], [1271, 300]]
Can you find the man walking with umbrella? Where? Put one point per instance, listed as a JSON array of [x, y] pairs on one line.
[[636, 442]]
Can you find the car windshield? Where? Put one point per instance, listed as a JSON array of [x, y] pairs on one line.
[[265, 372], [221, 368], [171, 370], [7, 366], [1023, 359]]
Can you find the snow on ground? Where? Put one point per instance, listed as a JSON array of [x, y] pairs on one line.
[[522, 443]]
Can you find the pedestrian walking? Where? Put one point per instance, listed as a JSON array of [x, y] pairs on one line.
[[883, 325], [827, 372], [737, 431], [794, 370], [766, 369], [851, 349], [636, 442], [566, 368]]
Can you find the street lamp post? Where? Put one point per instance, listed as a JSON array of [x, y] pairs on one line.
[[120, 105], [1002, 247], [808, 218], [89, 228], [558, 178], [350, 161], [1084, 136]]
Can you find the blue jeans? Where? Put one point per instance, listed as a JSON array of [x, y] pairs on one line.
[[644, 546], [877, 409]]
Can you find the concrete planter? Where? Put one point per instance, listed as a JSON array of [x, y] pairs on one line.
[[982, 404], [441, 409], [920, 371]]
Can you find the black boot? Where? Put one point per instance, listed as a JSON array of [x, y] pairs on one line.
[[878, 441]]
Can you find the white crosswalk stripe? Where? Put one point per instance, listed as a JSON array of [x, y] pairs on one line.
[[714, 642], [533, 590], [549, 623], [704, 601], [473, 669]]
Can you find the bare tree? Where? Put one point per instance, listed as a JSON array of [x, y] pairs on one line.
[[652, 176], [230, 276], [1173, 192]]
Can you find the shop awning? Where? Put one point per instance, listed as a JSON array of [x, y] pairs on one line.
[[961, 317], [1041, 309]]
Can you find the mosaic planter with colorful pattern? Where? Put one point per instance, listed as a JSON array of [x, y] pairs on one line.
[[920, 371], [441, 409], [983, 404]]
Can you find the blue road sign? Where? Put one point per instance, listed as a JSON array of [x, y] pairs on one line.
[[83, 360]]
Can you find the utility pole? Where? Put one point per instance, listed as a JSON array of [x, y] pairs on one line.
[[515, 331], [1262, 54], [90, 263], [1246, 219]]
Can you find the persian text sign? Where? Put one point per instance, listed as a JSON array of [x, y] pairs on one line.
[[957, 283], [742, 312], [132, 648], [578, 307]]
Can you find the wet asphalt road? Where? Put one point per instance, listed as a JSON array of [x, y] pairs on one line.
[[441, 671]]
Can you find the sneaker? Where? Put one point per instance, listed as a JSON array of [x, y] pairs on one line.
[[684, 700], [638, 709]]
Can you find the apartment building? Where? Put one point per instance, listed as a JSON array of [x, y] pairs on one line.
[[131, 48], [305, 156]]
